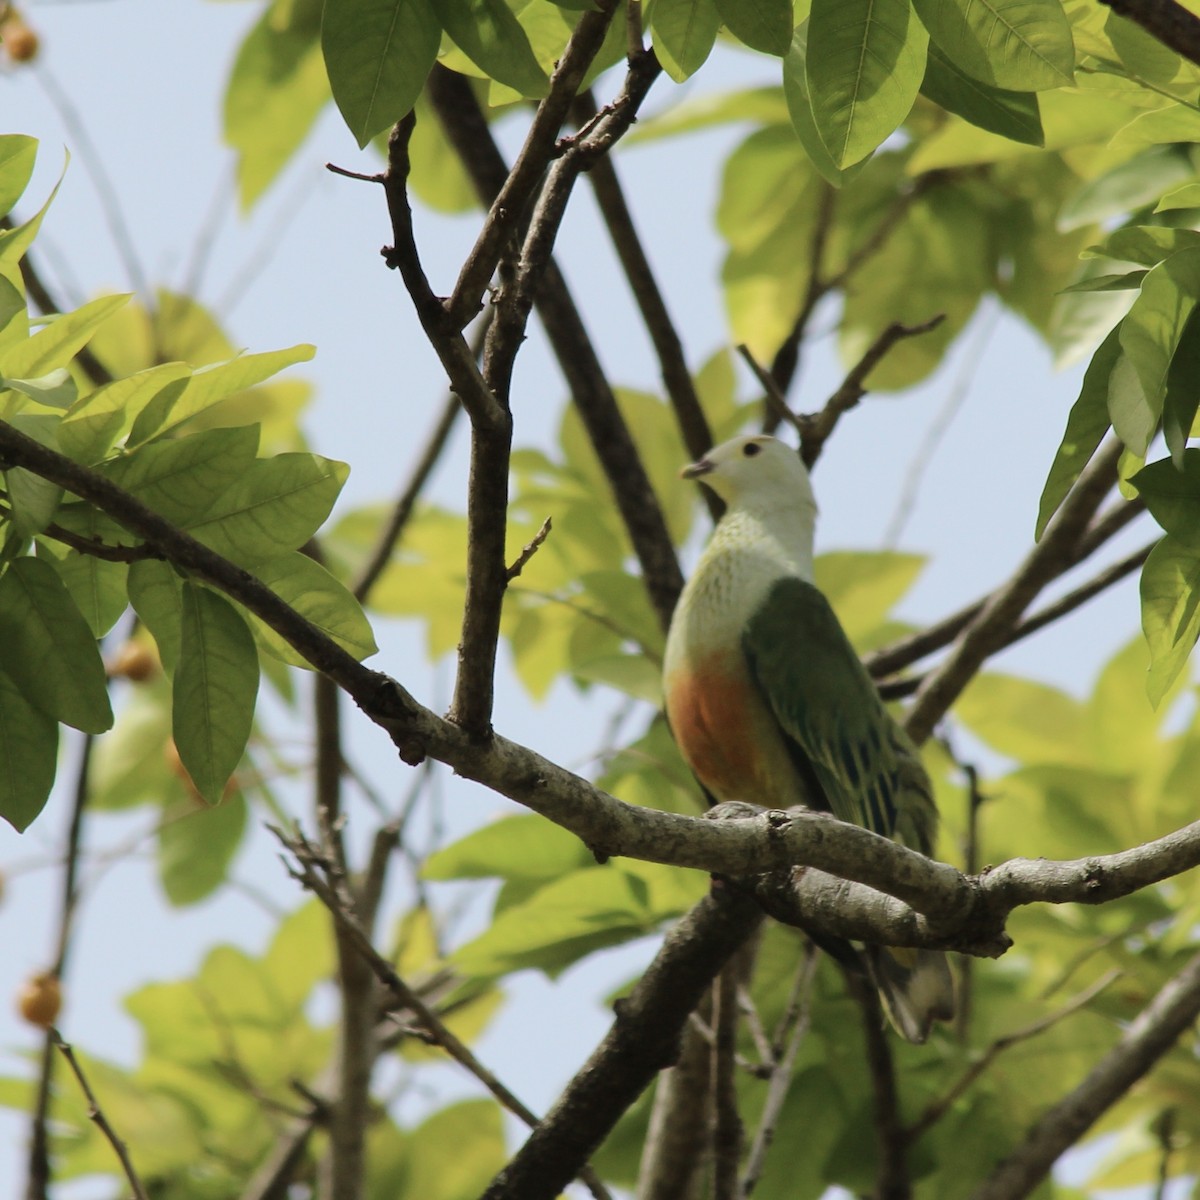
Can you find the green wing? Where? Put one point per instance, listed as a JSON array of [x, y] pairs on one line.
[[850, 752]]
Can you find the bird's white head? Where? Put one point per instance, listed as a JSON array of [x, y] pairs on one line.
[[756, 473]]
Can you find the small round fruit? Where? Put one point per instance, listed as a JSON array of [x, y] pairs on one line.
[[134, 661], [20, 42], [40, 999]]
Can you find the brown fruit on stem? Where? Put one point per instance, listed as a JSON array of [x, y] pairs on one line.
[[134, 661], [40, 999], [20, 42]]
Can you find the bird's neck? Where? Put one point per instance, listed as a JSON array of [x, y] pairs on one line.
[[782, 534]]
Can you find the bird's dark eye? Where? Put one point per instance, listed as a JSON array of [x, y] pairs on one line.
[[750, 449]]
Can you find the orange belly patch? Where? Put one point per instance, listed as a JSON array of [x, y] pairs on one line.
[[710, 713]]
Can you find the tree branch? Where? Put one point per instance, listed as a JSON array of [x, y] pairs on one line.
[[895, 689], [1149, 1036], [643, 1039], [958, 911], [96, 1114], [726, 1122], [987, 632], [511, 200], [1165, 21], [467, 129], [313, 870], [677, 379]]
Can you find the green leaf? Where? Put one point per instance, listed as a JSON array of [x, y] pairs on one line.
[[58, 342], [1133, 414], [301, 954], [181, 479], [95, 422], [34, 500], [1152, 330], [1186, 196], [97, 587], [1027, 721], [454, 1153], [208, 386], [519, 847], [492, 37], [560, 923], [1128, 186], [864, 66], [764, 25], [214, 690], [1108, 283], [315, 594], [1145, 244], [1170, 589], [378, 53], [129, 766], [156, 593], [276, 91], [28, 755], [1172, 494], [863, 586], [800, 111], [194, 851], [17, 156], [276, 506], [1086, 426], [438, 179], [14, 314], [684, 32], [1183, 389], [1024, 45], [55, 389], [49, 651], [14, 242], [1013, 115]]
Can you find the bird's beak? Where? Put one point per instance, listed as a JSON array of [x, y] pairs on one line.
[[696, 469]]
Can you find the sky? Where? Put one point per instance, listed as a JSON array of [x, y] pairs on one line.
[[144, 80]]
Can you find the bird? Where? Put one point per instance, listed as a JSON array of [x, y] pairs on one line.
[[769, 703]]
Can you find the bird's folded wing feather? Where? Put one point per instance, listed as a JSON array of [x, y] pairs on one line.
[[835, 726]]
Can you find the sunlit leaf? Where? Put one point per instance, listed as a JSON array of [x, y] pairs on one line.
[[1170, 591], [276, 91], [57, 343], [275, 507], [1024, 45], [314, 593], [1010, 114], [195, 850], [17, 156], [1030, 722], [1087, 424]]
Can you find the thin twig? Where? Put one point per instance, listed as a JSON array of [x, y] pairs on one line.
[[1145, 1040], [816, 429], [939, 1107], [38, 1173], [794, 1027], [677, 379], [892, 1178], [311, 870], [907, 650], [776, 402], [507, 210], [528, 551], [96, 1114], [467, 129], [727, 1123]]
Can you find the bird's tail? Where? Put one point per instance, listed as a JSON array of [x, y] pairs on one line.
[[915, 986]]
